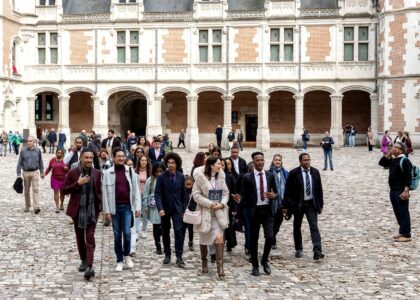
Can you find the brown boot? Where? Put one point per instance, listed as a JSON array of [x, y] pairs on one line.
[[219, 259], [204, 260]]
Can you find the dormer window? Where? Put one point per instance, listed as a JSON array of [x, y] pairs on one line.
[[46, 2]]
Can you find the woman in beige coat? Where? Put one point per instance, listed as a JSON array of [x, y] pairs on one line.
[[214, 214]]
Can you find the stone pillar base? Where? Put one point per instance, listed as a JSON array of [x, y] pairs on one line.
[[297, 136], [225, 143], [192, 139], [263, 139], [337, 135], [152, 131]]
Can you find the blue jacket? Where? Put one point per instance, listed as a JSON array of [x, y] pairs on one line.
[[52, 137], [171, 198], [62, 137]]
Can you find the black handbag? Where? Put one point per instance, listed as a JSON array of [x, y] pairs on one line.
[[18, 185]]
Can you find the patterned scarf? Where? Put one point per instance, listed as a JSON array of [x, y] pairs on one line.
[[87, 212]]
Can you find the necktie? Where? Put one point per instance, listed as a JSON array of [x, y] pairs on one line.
[[172, 179], [109, 143], [307, 183], [261, 187]]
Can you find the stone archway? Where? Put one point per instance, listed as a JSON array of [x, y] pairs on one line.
[[317, 112], [174, 113], [47, 110], [281, 117], [245, 106], [210, 110], [357, 110]]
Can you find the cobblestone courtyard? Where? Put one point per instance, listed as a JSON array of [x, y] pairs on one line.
[[39, 258]]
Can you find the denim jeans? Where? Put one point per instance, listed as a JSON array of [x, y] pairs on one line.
[[328, 157], [352, 140], [305, 145], [121, 223], [401, 212]]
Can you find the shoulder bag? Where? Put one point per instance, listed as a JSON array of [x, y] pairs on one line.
[[192, 217]]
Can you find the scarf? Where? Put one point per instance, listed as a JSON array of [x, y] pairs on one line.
[[87, 214], [280, 183]]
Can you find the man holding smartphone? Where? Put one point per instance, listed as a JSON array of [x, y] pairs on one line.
[[399, 181]]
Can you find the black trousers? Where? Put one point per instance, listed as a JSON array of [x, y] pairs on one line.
[[278, 220], [402, 214], [219, 142], [262, 216], [179, 237], [181, 142], [157, 233], [190, 228], [309, 210]]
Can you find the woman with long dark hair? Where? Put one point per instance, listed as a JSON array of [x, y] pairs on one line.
[[199, 161], [211, 194], [58, 178]]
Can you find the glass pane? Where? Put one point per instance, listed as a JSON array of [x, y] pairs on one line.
[[203, 36], [363, 52], [49, 107], [288, 52], [121, 37], [122, 1], [41, 39], [121, 55], [134, 55], [275, 56], [217, 53], [52, 2], [132, 1], [204, 54], [348, 52], [54, 55], [38, 109], [42, 2], [275, 35], [288, 34], [348, 33], [134, 37], [363, 34], [217, 36], [41, 56], [53, 39]]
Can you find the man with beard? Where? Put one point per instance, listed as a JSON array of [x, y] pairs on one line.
[[73, 154], [84, 186]]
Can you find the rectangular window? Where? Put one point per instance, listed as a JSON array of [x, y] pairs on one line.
[[134, 55], [41, 39], [42, 2], [121, 55], [217, 53], [54, 55], [134, 37], [204, 56], [348, 44], [128, 47], [120, 37], [274, 53], [363, 34], [349, 34], [38, 109], [49, 107], [281, 44], [348, 52], [288, 52], [210, 45], [52, 2], [363, 52], [356, 43], [217, 36], [41, 56], [288, 35], [203, 36], [53, 39]]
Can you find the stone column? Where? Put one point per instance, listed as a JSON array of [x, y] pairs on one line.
[[374, 103], [100, 116], [263, 132], [63, 114], [298, 117], [31, 115], [192, 138], [154, 125], [227, 118], [336, 130]]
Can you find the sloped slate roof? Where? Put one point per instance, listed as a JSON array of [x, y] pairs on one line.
[[307, 4], [246, 4], [86, 7], [168, 5]]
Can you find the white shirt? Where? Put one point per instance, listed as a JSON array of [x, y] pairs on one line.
[[69, 154], [236, 165], [265, 189], [110, 141], [306, 197]]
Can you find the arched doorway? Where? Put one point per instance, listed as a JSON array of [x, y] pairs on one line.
[[317, 112], [210, 111], [356, 110], [47, 110], [80, 112], [245, 114], [281, 117], [174, 113], [127, 110]]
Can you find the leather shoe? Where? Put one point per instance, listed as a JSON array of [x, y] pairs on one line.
[[83, 266], [89, 273], [317, 256], [298, 253], [37, 211], [167, 260], [180, 262], [255, 271], [266, 268], [274, 247]]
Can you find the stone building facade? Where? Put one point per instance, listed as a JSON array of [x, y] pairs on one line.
[[269, 68]]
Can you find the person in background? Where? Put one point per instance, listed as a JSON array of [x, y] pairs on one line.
[[352, 137], [61, 139], [326, 145], [52, 139], [111, 142], [73, 154], [150, 209], [386, 143], [240, 139], [400, 137], [347, 135], [199, 160], [143, 144], [105, 162], [157, 153], [16, 141], [230, 138], [369, 139], [58, 178], [219, 133], [408, 146], [143, 170], [192, 207], [10, 137], [305, 138], [131, 140], [181, 138], [139, 152], [4, 141], [84, 138]]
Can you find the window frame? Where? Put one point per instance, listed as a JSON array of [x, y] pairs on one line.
[[282, 44], [127, 45], [48, 47], [356, 42], [210, 45]]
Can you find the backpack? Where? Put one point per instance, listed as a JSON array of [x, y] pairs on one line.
[[415, 175]]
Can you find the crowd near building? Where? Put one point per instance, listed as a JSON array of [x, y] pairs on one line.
[[270, 68]]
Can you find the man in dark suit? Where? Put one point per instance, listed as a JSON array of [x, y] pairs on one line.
[[171, 202], [258, 194], [84, 186], [156, 154], [303, 195], [111, 142], [218, 133]]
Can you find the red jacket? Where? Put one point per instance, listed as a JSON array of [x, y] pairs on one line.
[[72, 187]]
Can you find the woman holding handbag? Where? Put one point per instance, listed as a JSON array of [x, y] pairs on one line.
[[210, 184], [150, 209]]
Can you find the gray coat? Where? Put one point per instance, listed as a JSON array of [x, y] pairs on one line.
[[108, 190]]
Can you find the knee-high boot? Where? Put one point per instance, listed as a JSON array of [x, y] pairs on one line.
[[204, 259], [219, 259]]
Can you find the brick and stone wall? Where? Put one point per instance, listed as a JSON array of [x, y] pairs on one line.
[[210, 111]]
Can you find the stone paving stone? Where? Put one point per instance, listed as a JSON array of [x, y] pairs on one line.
[[39, 257]]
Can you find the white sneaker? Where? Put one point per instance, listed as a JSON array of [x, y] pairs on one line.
[[143, 234], [119, 267], [129, 262]]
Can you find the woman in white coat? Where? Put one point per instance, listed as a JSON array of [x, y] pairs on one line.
[[214, 213]]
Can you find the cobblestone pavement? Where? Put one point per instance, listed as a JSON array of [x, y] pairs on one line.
[[39, 258]]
